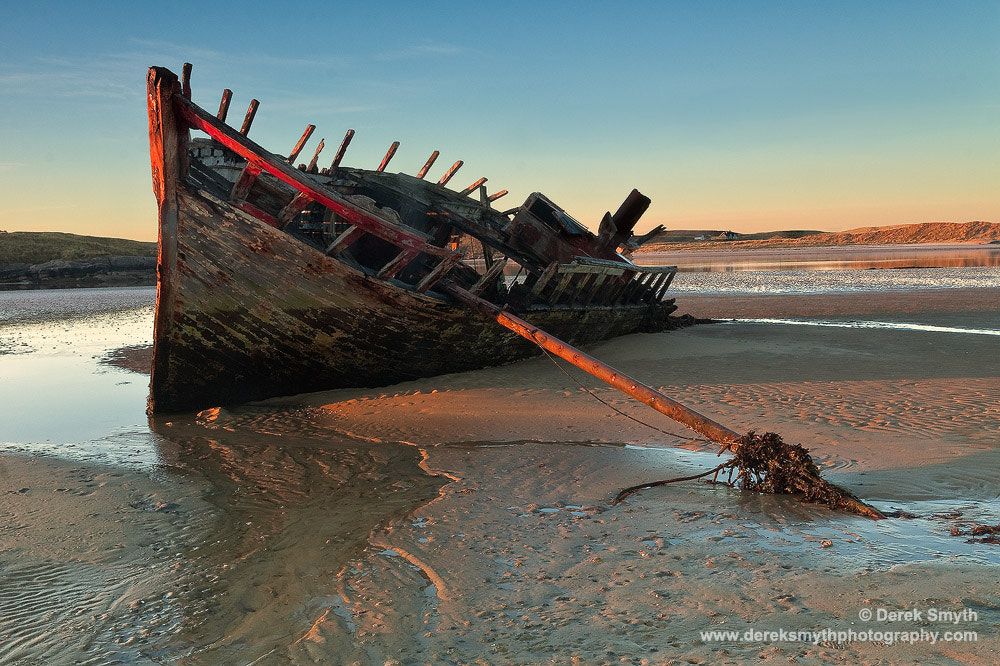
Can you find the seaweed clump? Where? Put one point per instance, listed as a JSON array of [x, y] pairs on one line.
[[767, 464], [979, 534]]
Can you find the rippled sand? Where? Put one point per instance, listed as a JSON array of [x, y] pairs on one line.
[[466, 519]]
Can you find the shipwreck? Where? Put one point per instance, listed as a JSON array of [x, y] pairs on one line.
[[276, 279]]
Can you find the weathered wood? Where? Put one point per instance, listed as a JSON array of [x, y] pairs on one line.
[[594, 289], [401, 237], [388, 156], [496, 195], [248, 119], [428, 164], [343, 149], [227, 97], [391, 269], [345, 239], [301, 144], [560, 288], [666, 285], [646, 394], [581, 287], [168, 142], [293, 208], [489, 277], [261, 215], [436, 273], [543, 279], [471, 188], [186, 80], [312, 163], [451, 172], [325, 322], [241, 188]]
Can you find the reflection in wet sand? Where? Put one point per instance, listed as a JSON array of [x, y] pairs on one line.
[[295, 505]]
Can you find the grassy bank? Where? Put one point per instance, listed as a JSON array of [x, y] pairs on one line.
[[36, 247]]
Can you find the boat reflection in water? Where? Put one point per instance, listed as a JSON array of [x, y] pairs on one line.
[[296, 502]]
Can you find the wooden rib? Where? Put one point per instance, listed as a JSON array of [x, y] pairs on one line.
[[248, 119], [437, 273], [428, 164], [654, 286], [497, 195], [227, 97], [388, 156], [543, 279], [258, 213], [349, 235], [302, 142], [616, 290], [397, 234], [319, 149], [343, 149], [666, 285], [397, 264], [293, 208], [451, 172], [472, 188], [581, 287], [560, 288], [595, 288], [489, 276], [243, 184], [186, 80]]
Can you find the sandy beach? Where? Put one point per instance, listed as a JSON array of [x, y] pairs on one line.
[[466, 519]]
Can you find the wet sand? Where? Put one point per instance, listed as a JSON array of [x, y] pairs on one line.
[[466, 518]]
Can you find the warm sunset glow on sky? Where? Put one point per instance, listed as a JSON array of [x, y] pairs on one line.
[[743, 116]]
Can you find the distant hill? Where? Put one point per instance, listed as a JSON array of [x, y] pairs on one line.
[[928, 232], [36, 247], [44, 258]]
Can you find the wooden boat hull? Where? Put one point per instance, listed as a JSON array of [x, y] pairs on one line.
[[252, 312]]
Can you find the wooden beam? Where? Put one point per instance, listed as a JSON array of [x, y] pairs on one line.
[[302, 142], [227, 97], [397, 234], [471, 188], [261, 215], [248, 119], [666, 285], [437, 273], [560, 288], [633, 387], [388, 156], [496, 195], [293, 208], [312, 163], [543, 279], [595, 289], [490, 276], [451, 172], [241, 188], [397, 264], [428, 164], [186, 80], [581, 287], [343, 149], [349, 235]]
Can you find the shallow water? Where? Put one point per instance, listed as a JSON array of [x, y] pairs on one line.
[[846, 269], [277, 534]]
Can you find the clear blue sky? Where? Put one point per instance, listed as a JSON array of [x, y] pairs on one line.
[[729, 115]]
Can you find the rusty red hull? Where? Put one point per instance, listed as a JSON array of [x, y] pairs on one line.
[[251, 305]]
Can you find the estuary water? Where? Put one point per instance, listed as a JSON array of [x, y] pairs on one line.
[[465, 519]]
